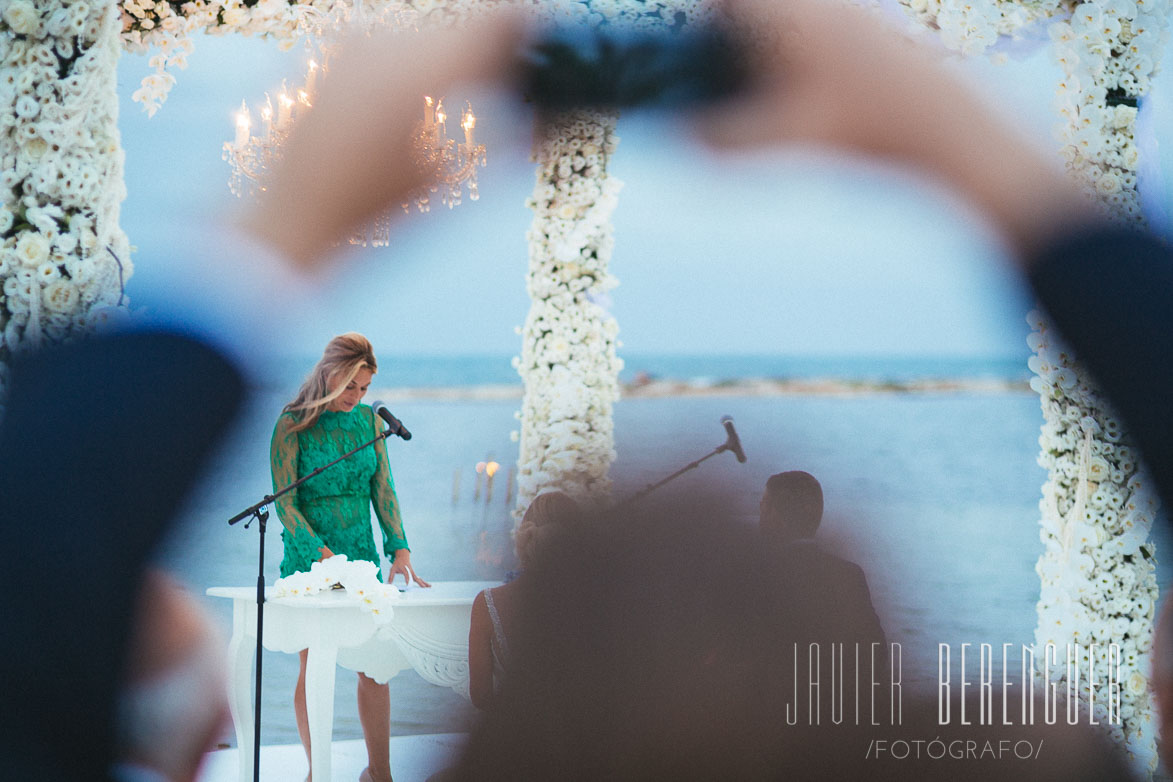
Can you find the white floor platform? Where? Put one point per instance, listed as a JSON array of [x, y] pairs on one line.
[[413, 759]]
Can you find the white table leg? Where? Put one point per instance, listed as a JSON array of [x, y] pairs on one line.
[[319, 702], [241, 652]]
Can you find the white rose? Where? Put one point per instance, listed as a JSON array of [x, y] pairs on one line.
[[32, 249], [48, 272], [61, 296], [1098, 469], [66, 242], [1136, 683], [27, 107], [1108, 184], [22, 17]]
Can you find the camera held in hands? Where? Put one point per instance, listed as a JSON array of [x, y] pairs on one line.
[[617, 67]]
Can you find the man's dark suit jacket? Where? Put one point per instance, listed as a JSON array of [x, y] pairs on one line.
[[826, 631]]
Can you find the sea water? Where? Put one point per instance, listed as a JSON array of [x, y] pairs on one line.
[[939, 492]]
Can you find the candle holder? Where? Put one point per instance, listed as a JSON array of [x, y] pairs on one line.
[[253, 157], [446, 164]]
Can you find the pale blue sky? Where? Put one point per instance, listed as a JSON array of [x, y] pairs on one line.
[[786, 252]]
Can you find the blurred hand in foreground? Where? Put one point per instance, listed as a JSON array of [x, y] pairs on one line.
[[839, 76], [350, 158]]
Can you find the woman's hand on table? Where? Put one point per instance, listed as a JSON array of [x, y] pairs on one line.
[[402, 564]]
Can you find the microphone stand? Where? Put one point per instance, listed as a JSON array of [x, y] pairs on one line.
[[261, 516], [651, 487]]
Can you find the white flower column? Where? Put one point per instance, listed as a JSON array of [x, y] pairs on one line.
[[1109, 52], [1097, 568], [568, 361], [63, 258]]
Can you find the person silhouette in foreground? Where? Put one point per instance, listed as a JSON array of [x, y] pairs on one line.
[[99, 443], [649, 648]]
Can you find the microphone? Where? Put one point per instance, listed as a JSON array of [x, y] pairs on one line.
[[732, 442], [396, 427]]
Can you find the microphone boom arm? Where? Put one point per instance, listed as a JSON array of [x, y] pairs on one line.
[[651, 487]]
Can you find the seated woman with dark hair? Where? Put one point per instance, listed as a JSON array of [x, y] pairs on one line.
[[495, 611]]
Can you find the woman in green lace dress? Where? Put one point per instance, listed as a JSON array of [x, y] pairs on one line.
[[331, 513]]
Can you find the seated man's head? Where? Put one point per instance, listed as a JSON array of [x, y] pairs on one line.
[[792, 506]]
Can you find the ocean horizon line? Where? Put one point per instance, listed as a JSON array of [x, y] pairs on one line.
[[661, 389], [690, 371]]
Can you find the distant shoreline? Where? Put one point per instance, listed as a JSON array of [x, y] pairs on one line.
[[664, 389]]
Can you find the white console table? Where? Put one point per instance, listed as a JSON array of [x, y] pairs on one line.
[[428, 632]]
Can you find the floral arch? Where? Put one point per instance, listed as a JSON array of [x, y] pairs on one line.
[[64, 260]]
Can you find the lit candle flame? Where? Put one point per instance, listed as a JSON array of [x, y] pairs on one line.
[[311, 75], [468, 122], [491, 468], [242, 125], [267, 116], [481, 466], [284, 110]]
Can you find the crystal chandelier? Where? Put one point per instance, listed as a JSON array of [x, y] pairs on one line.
[[251, 156], [448, 165]]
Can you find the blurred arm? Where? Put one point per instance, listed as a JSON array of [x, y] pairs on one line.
[[840, 77]]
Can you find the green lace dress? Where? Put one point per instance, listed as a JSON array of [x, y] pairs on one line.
[[334, 509]]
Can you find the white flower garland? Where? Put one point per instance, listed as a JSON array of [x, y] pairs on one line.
[[568, 362], [63, 258], [166, 25], [359, 579], [973, 27]]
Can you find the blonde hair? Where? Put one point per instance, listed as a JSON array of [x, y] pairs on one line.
[[549, 515], [344, 356]]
